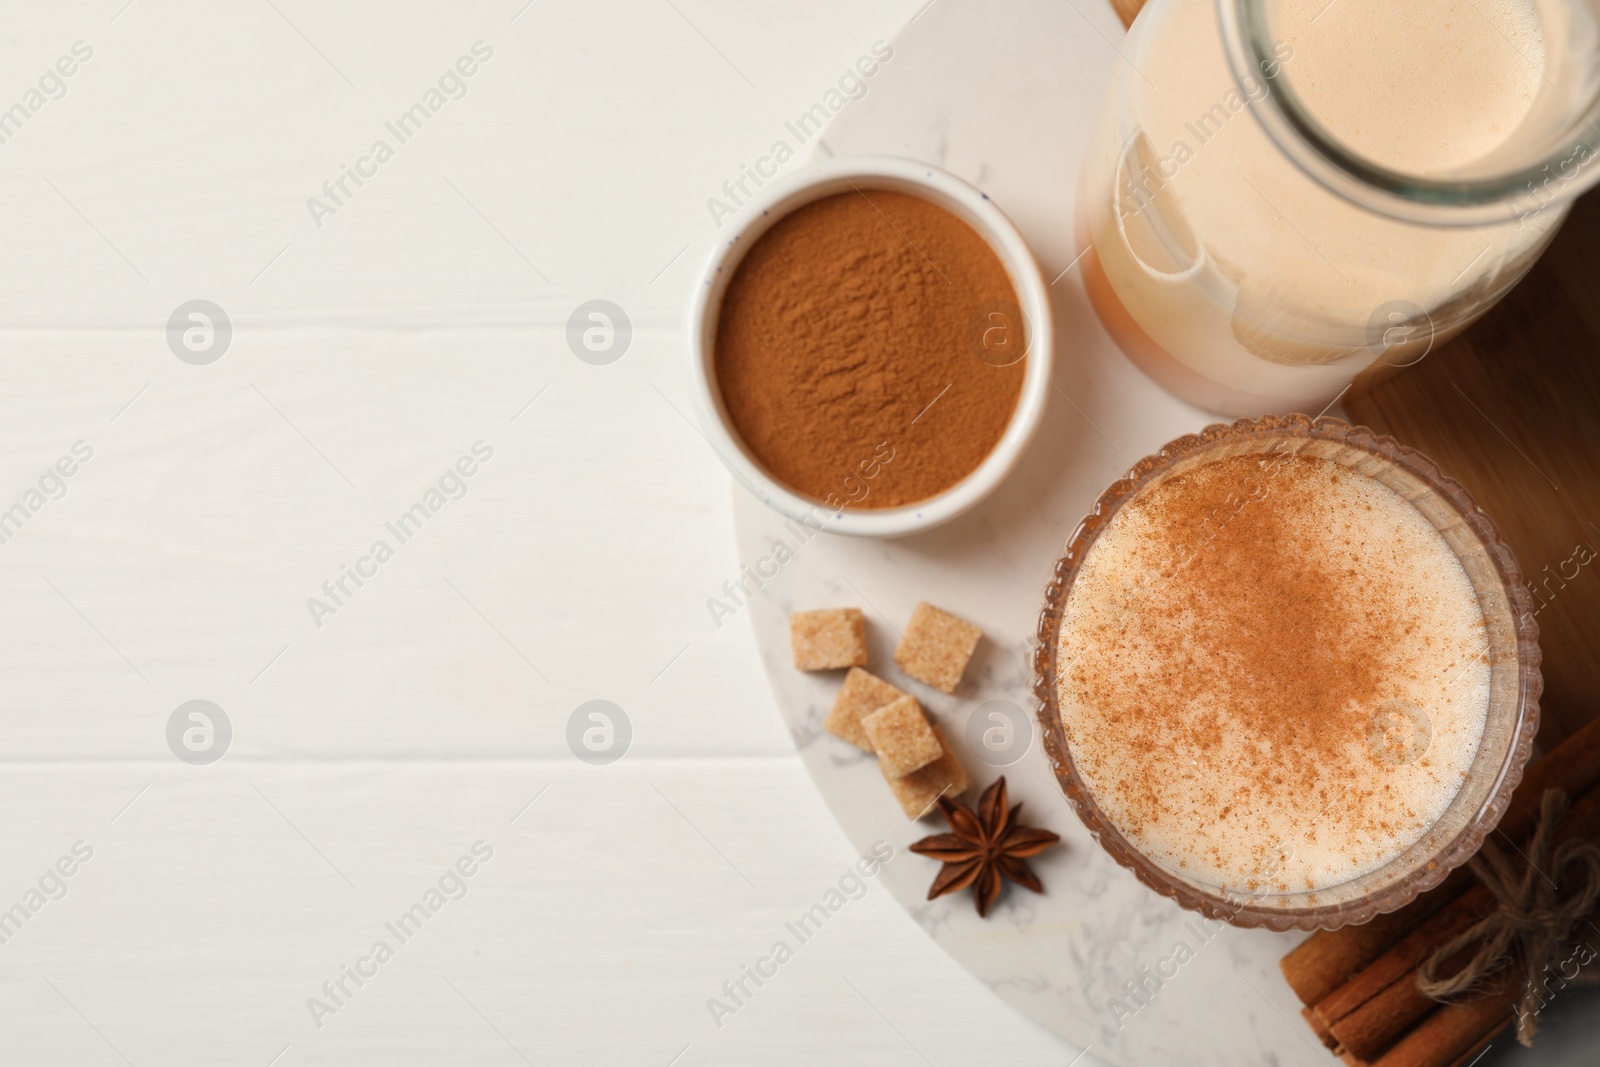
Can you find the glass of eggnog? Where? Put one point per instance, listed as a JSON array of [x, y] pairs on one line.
[[1285, 194], [1288, 673]]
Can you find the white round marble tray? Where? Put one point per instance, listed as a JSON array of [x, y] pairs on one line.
[[1004, 95]]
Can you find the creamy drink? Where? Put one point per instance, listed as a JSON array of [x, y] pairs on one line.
[[1273, 673], [1239, 282]]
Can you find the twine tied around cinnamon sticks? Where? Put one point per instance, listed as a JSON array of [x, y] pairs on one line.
[[1533, 923]]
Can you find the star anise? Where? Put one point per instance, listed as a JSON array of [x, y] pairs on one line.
[[984, 847]]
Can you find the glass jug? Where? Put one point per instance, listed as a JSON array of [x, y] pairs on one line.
[[1284, 193]]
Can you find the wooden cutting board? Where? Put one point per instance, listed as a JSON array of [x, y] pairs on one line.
[[1512, 409]]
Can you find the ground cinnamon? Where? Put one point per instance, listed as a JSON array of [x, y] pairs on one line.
[[864, 325]]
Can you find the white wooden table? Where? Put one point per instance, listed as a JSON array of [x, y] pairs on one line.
[[415, 726]]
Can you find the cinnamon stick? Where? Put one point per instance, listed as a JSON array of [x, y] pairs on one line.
[[1320, 1028], [1402, 960], [1373, 1010], [1330, 958], [1466, 1059], [1455, 1031], [1469, 1057]]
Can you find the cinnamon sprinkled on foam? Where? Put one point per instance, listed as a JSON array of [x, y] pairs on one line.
[[1225, 648]]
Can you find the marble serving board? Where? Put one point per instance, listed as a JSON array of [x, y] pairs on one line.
[[1005, 96]]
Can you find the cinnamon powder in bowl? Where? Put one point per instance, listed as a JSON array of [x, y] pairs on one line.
[[873, 347]]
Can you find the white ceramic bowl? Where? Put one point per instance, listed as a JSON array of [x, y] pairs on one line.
[[844, 174]]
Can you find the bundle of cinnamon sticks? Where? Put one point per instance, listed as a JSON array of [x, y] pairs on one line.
[[1359, 984]]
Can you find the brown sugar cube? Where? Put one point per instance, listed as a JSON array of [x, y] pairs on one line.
[[936, 647], [862, 694], [901, 736], [827, 639], [918, 790]]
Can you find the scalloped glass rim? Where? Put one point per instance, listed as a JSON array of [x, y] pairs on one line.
[[1420, 873]]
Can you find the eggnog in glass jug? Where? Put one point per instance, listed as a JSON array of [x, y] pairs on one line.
[[1283, 193]]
